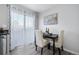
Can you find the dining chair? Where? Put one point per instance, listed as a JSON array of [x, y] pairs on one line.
[[59, 42], [40, 41]]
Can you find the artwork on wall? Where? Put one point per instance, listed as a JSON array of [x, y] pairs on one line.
[[51, 19]]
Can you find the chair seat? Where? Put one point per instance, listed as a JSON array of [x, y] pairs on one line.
[[45, 42], [57, 44]]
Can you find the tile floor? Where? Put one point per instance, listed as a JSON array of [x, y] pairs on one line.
[[30, 50]]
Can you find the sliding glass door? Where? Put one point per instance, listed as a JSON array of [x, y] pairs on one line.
[[29, 29], [17, 29], [22, 27]]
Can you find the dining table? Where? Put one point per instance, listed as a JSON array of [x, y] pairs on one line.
[[53, 37]]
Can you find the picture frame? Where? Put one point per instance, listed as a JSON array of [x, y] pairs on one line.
[[51, 19]]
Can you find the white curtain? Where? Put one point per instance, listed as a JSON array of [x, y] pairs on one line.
[[22, 27]]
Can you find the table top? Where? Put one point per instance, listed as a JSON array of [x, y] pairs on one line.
[[52, 36]]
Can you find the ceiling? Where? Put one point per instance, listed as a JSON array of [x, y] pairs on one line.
[[39, 7]]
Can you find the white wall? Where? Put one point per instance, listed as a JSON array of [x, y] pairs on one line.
[[68, 19], [3, 16]]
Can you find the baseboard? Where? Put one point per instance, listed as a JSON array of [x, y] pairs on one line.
[[76, 53]]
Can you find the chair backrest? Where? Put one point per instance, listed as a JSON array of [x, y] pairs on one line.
[[39, 38], [61, 37]]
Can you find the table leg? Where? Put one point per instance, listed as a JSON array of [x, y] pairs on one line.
[[53, 47], [49, 46]]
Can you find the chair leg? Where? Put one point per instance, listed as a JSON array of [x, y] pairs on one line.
[[59, 51], [41, 51], [36, 47], [62, 48]]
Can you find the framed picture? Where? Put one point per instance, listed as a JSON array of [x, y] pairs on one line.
[[51, 19]]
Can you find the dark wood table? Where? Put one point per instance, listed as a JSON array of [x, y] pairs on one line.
[[53, 37]]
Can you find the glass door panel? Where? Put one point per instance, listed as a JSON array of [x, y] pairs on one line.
[[29, 29], [17, 29]]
